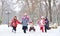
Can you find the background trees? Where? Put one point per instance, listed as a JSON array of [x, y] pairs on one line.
[[34, 8]]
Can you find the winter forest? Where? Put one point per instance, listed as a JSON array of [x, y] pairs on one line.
[[34, 8]]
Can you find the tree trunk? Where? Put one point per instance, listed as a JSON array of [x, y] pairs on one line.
[[50, 10], [46, 8]]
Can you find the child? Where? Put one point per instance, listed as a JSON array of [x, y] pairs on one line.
[[14, 24], [32, 26], [25, 21], [47, 24], [42, 23]]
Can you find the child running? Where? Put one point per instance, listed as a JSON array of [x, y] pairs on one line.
[[14, 24]]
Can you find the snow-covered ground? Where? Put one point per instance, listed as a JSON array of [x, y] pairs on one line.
[[6, 31]]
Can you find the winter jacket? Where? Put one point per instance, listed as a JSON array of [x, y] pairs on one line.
[[47, 22], [15, 23], [41, 23], [25, 21]]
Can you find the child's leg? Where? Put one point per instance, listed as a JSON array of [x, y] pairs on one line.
[[30, 29], [14, 28], [24, 28], [42, 29], [33, 29], [24, 31], [45, 28]]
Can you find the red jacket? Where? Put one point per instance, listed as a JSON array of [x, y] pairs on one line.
[[13, 23]]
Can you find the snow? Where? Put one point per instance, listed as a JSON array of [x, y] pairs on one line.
[[6, 31]]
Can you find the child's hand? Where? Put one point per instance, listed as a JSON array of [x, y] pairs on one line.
[[20, 22], [10, 25]]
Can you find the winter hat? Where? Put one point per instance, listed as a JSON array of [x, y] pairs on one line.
[[42, 17]]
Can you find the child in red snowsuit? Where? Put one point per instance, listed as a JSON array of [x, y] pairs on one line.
[[14, 23], [42, 24]]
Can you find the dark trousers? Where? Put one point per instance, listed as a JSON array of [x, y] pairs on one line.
[[24, 28], [32, 28], [45, 28], [14, 28]]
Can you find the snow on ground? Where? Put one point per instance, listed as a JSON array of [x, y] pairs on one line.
[[6, 31]]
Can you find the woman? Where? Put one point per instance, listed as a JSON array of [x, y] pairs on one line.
[[14, 23]]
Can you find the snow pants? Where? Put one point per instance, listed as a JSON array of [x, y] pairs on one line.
[[42, 28], [24, 28], [32, 28], [14, 28]]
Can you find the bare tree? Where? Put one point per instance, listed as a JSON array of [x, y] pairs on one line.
[[50, 13], [46, 8]]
